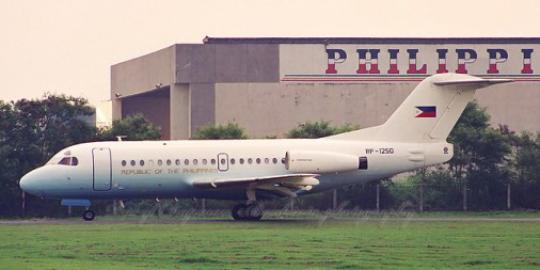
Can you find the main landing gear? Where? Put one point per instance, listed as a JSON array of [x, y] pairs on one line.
[[247, 212], [250, 211], [88, 215]]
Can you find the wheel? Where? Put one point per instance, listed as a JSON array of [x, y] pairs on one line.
[[238, 212], [254, 212], [88, 215]]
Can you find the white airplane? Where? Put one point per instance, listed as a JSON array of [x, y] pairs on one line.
[[413, 137]]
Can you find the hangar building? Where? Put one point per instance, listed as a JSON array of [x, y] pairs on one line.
[[270, 85]]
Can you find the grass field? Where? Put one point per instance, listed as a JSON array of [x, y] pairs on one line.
[[323, 243]]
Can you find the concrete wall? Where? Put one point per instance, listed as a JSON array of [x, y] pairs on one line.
[[227, 63], [272, 109], [180, 120], [516, 105]]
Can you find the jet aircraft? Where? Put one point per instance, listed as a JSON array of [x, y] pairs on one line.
[[252, 170]]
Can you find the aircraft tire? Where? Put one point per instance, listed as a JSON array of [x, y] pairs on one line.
[[254, 212], [238, 212], [88, 215]]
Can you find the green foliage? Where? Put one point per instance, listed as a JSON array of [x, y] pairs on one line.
[[8, 160], [481, 155], [132, 128], [527, 170], [31, 132], [220, 132], [318, 130]]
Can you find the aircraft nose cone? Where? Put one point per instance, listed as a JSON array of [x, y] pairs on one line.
[[26, 183]]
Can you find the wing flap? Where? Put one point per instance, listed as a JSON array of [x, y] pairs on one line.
[[286, 180]]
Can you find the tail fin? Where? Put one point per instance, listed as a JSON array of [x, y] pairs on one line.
[[429, 113]]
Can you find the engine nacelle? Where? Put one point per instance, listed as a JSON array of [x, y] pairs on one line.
[[320, 162]]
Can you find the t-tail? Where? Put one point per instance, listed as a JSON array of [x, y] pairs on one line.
[[429, 113]]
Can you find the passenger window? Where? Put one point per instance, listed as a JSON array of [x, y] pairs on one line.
[[124, 163], [241, 161], [222, 161], [195, 162], [159, 162], [213, 161], [250, 160], [274, 160], [186, 161], [283, 161], [141, 163], [169, 162], [177, 162], [132, 162], [258, 160], [204, 161], [74, 161], [266, 160], [232, 161]]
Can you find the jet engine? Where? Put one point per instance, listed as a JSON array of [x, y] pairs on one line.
[[320, 162]]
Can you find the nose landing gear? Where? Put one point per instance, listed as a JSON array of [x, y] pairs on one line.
[[88, 215]]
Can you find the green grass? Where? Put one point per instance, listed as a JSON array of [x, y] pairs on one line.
[[323, 243]]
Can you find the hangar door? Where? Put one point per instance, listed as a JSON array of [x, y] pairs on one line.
[[102, 168]]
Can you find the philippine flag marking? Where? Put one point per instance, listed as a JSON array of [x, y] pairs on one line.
[[426, 112]]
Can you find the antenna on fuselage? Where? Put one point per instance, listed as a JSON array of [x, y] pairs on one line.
[[120, 137]]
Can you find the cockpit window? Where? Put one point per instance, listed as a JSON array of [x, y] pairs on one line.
[[69, 161]]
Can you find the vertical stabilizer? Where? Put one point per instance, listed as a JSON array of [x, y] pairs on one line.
[[429, 113]]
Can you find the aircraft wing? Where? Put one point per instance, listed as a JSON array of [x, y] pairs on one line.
[[284, 183]]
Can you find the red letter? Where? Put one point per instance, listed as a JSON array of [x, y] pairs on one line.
[[527, 65], [335, 56], [373, 61], [496, 56], [465, 56], [412, 63]]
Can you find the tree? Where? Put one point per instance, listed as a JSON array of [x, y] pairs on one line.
[[31, 132], [318, 130], [9, 189], [527, 168], [481, 160], [134, 127], [220, 132]]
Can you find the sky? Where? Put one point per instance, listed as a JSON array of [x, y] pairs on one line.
[[68, 46]]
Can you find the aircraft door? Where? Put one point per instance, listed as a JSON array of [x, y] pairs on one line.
[[102, 168], [223, 162]]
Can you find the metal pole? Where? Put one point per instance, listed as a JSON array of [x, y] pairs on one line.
[[508, 197], [23, 203], [334, 199], [464, 198], [203, 204], [378, 190], [421, 206], [114, 210], [69, 210]]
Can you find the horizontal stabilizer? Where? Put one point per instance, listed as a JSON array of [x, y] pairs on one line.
[[476, 81]]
